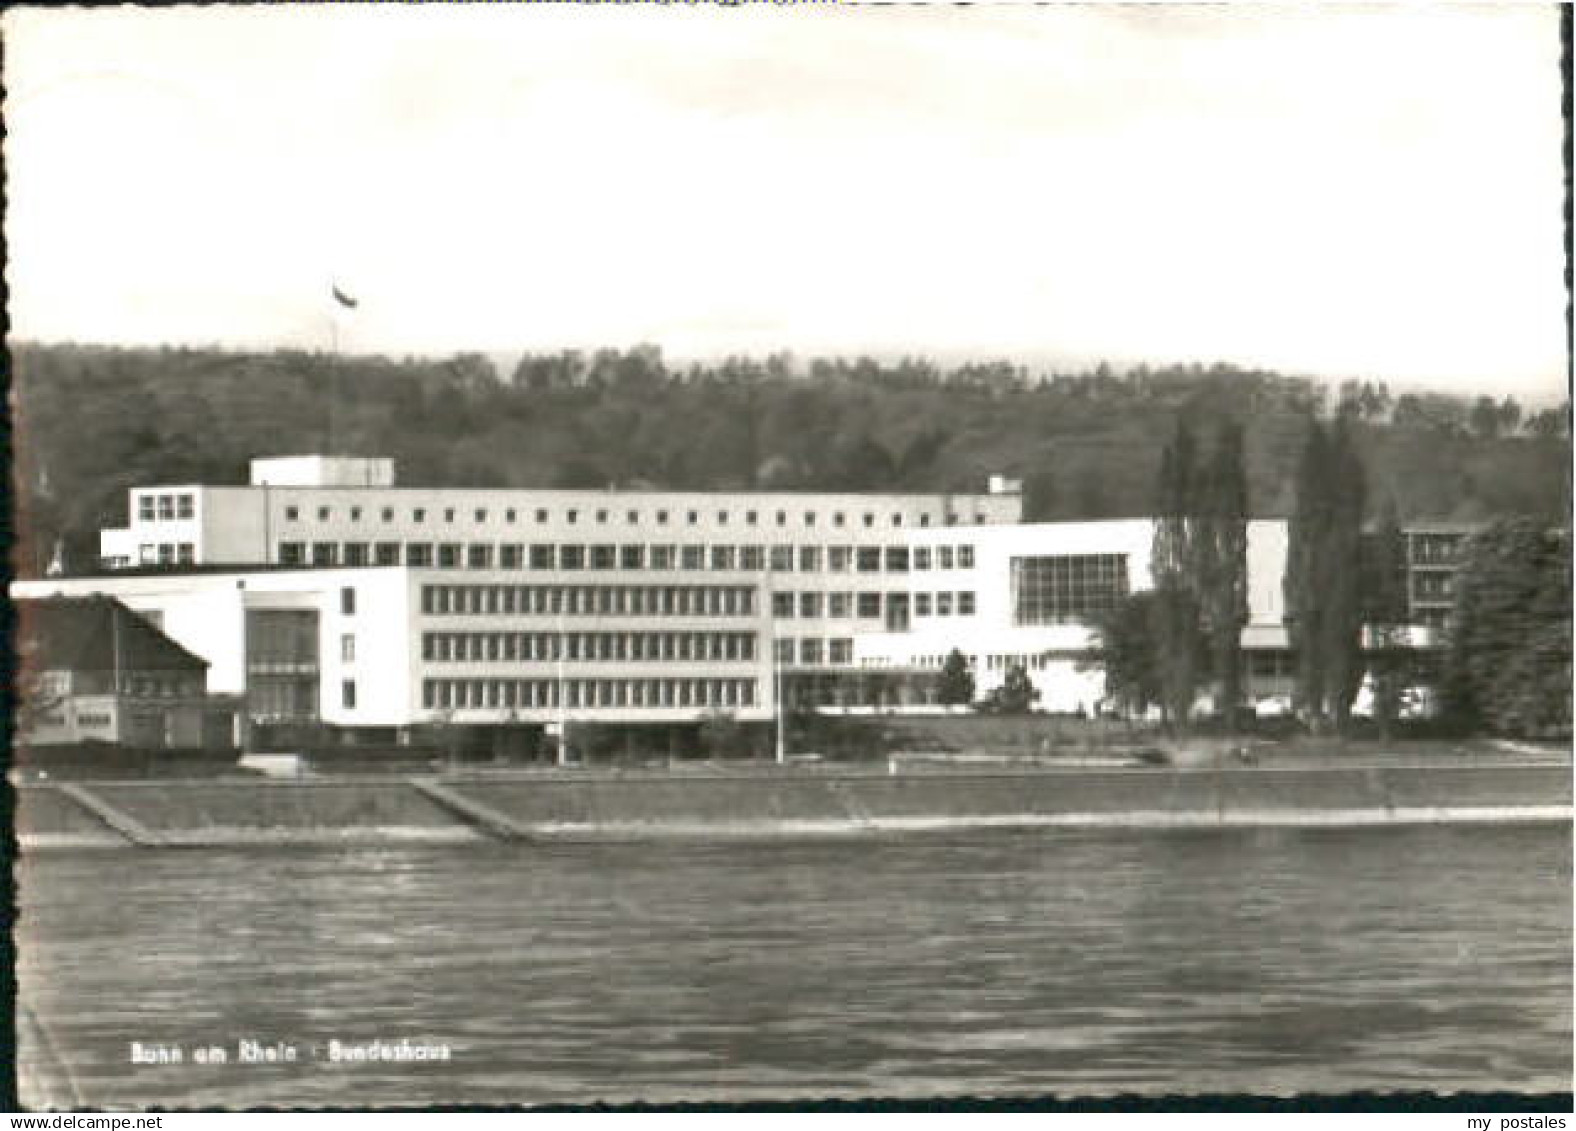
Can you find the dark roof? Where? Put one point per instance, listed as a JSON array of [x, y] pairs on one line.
[[93, 634]]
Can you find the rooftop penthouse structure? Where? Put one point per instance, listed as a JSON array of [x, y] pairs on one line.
[[329, 511]]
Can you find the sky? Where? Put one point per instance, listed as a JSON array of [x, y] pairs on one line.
[[1371, 191]]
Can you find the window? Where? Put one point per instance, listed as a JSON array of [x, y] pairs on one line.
[[839, 604], [1071, 587], [386, 553], [723, 557], [921, 604], [324, 553], [809, 605], [166, 506], [510, 515], [571, 517], [542, 556], [145, 508], [869, 605], [782, 605], [943, 557], [784, 651], [751, 518], [448, 555], [419, 515], [183, 506], [448, 514], [632, 517], [511, 555], [347, 694], [943, 604], [897, 519], [323, 514], [922, 557], [355, 514], [481, 514], [541, 514], [809, 559], [662, 518], [809, 651], [722, 518], [782, 559], [924, 520], [752, 558], [355, 553], [292, 553], [692, 517], [418, 553], [183, 553], [601, 518], [870, 519], [869, 559], [839, 518], [291, 513], [838, 558], [782, 518], [693, 557], [604, 557], [965, 557], [897, 559], [347, 648], [840, 651], [966, 604], [632, 557], [663, 557], [809, 518], [478, 556], [347, 602], [571, 557]]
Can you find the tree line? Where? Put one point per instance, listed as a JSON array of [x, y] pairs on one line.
[[91, 421]]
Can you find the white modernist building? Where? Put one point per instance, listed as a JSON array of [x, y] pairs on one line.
[[325, 594], [1028, 594]]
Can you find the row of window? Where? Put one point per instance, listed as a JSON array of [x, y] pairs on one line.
[[813, 651], [165, 553], [840, 606], [517, 647], [943, 604], [547, 556], [540, 694], [152, 507], [588, 600], [602, 516]]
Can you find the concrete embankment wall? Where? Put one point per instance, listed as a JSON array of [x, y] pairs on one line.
[[213, 812], [593, 806]]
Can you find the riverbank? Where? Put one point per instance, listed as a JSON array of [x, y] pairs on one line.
[[544, 807]]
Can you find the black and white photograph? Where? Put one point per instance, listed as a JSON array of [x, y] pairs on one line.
[[764, 555]]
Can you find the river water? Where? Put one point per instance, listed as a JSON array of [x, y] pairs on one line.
[[1069, 962]]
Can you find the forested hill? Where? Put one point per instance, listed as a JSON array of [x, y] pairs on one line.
[[93, 420]]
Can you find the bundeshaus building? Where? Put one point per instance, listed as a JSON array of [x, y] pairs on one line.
[[327, 596]]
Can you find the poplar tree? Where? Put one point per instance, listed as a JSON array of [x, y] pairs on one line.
[[1323, 583], [1304, 587], [1174, 613], [1220, 554], [1385, 609], [1343, 621]]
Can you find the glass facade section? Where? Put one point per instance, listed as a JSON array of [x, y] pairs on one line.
[[1067, 588]]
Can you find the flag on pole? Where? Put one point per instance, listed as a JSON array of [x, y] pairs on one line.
[[342, 298]]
